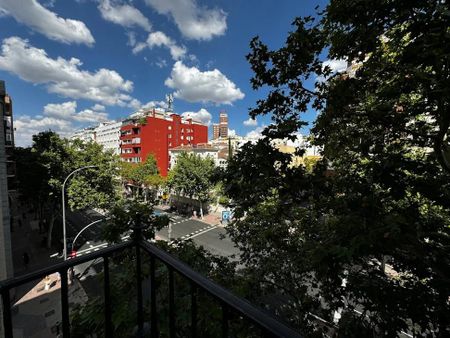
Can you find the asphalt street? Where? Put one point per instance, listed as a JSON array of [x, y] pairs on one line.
[[212, 237]]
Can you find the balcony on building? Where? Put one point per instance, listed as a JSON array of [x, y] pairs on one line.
[[136, 140], [185, 305]]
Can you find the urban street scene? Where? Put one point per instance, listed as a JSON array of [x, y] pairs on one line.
[[234, 169]]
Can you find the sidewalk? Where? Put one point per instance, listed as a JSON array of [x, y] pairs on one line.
[[35, 310], [213, 218], [38, 313]]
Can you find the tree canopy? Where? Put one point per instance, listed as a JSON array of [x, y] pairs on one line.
[[145, 174], [366, 232], [192, 176], [43, 168]]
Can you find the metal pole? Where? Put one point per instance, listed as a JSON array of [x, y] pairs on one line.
[[64, 221], [169, 232], [64, 205], [87, 226]]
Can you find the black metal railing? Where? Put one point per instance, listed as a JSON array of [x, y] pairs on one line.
[[229, 303]]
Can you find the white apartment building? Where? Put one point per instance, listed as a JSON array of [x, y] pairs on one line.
[[108, 135], [86, 135], [202, 150]]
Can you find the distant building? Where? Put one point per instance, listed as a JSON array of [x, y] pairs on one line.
[[7, 181], [155, 132], [220, 130], [202, 150], [223, 125], [108, 135], [216, 131], [86, 135]]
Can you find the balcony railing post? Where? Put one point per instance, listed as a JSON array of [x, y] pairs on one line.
[[154, 332], [224, 321], [140, 305], [7, 321], [193, 310], [65, 303], [171, 304], [108, 318]]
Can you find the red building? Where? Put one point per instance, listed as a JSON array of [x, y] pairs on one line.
[[157, 132]]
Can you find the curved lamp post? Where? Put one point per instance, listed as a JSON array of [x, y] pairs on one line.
[[87, 226], [64, 204]]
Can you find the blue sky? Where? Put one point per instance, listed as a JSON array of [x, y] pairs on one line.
[[71, 64]]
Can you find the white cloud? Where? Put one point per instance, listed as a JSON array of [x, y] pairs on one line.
[[159, 39], [231, 132], [63, 76], [62, 118], [46, 22], [67, 111], [193, 21], [250, 122], [131, 39], [255, 133], [336, 66], [134, 103], [26, 127], [124, 15], [154, 104], [61, 110], [161, 63], [98, 107], [202, 116], [195, 86], [89, 115]]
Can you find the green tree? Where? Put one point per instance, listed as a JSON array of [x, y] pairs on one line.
[[31, 176], [192, 177], [51, 159], [96, 187], [52, 156], [145, 174], [372, 236]]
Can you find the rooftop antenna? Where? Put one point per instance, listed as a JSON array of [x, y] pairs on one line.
[[169, 99]]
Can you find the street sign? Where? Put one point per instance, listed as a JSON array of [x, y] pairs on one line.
[[226, 215]]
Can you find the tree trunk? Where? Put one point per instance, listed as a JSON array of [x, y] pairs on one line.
[[50, 230]]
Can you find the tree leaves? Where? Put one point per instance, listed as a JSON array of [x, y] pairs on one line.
[[380, 193], [192, 176]]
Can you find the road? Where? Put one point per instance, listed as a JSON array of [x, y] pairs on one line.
[[212, 237]]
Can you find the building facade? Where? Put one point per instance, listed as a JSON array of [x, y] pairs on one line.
[[216, 131], [155, 132], [108, 135], [223, 125], [86, 135], [202, 150], [7, 181], [220, 130]]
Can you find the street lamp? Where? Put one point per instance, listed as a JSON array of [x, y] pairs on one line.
[[64, 204], [87, 226]]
